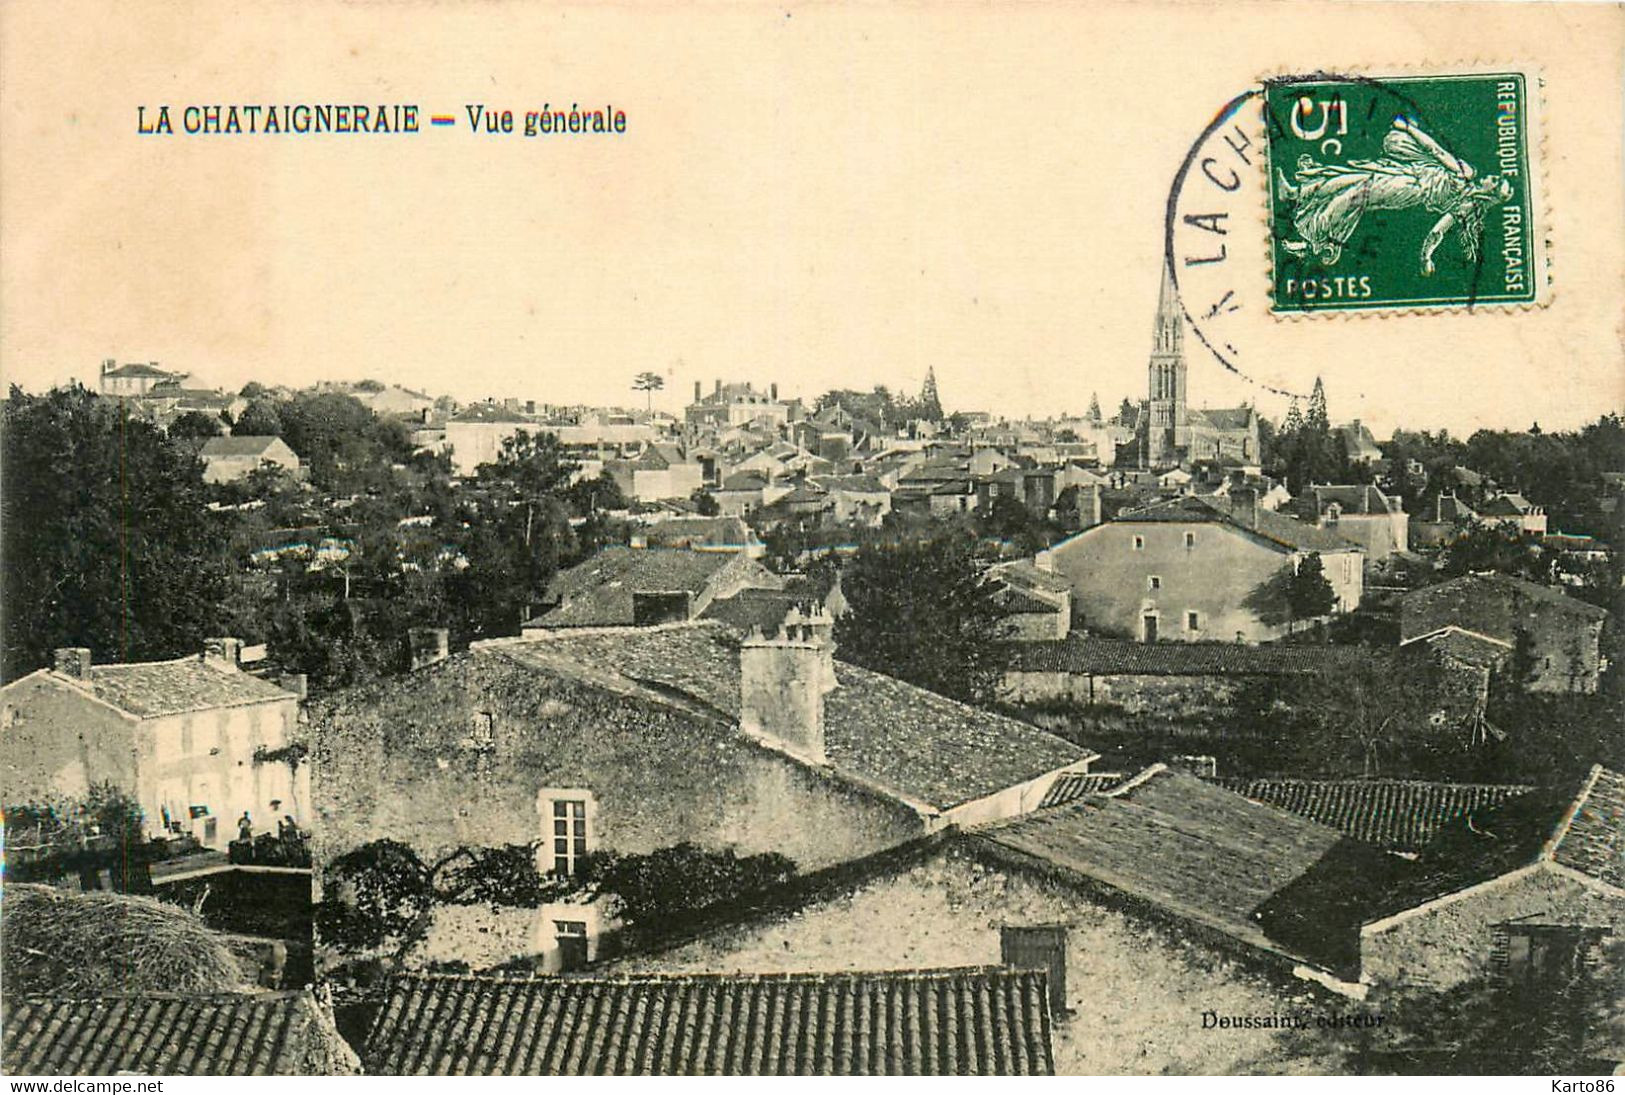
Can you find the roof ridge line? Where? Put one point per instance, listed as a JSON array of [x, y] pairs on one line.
[[1548, 850], [1135, 781]]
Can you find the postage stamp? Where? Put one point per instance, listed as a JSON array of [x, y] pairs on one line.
[[1404, 192]]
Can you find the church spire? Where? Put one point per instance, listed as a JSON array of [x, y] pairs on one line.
[[1169, 336]]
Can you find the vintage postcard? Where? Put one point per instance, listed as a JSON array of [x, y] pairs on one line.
[[816, 539]]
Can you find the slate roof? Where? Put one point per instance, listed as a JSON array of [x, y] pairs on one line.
[[152, 689], [239, 445], [1084, 654], [1179, 843], [1395, 814], [1490, 604], [598, 592], [238, 1034], [138, 368], [883, 731], [1447, 509], [976, 1022], [1267, 524]]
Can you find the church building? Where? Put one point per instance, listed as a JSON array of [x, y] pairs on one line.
[[1170, 432]]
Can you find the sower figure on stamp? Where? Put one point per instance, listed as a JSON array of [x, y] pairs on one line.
[[1328, 200]]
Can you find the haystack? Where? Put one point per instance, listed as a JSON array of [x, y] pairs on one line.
[[65, 943]]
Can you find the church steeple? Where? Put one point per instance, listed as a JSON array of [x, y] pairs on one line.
[[1167, 418], [1169, 335]]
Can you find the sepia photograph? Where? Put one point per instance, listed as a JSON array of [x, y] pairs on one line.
[[812, 539]]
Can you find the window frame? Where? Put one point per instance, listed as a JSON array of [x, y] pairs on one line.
[[576, 809]]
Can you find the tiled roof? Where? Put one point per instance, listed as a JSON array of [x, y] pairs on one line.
[[1272, 526], [1490, 604], [1594, 841], [879, 729], [755, 608], [1179, 843], [1446, 509], [1505, 505], [150, 689], [1023, 573], [1465, 647], [598, 592], [240, 1034], [1087, 655], [856, 484], [1071, 786], [1223, 418], [975, 1022], [744, 480], [1351, 499], [238, 445], [1019, 602], [1400, 815], [489, 412], [1581, 828], [710, 531]]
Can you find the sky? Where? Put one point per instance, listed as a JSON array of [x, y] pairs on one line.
[[816, 195]]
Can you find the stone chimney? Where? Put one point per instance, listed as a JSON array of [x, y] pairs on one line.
[[223, 653], [72, 661], [428, 645], [719, 387], [108, 365], [773, 391], [783, 681], [1244, 506], [297, 683], [696, 391]]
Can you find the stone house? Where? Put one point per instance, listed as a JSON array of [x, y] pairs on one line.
[[1139, 902], [475, 434], [136, 378], [740, 492], [1363, 514], [1560, 634], [659, 471], [228, 458], [196, 740], [637, 739], [1525, 890], [1513, 512], [623, 586], [1194, 569]]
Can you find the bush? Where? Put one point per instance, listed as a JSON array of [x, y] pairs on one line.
[[664, 890]]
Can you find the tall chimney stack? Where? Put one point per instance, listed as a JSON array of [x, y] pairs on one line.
[[223, 653], [696, 391], [72, 661], [783, 681], [108, 365]]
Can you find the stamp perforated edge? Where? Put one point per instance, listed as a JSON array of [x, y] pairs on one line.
[[1539, 201]]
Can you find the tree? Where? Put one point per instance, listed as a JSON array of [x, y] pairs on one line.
[[587, 497], [930, 406], [649, 384], [196, 426], [704, 503], [1308, 594], [107, 538], [923, 611], [1317, 418], [1094, 408], [259, 419]]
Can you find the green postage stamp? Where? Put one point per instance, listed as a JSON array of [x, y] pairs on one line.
[[1406, 192]]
